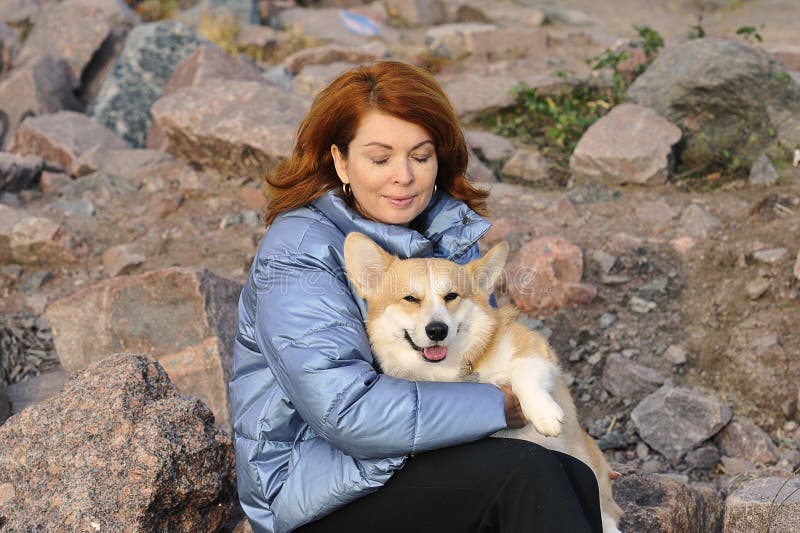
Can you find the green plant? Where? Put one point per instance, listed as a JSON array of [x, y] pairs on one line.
[[749, 31], [652, 40], [697, 31], [611, 60]]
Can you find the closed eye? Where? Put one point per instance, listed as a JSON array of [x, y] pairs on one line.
[[380, 161], [422, 159], [449, 297], [411, 299]]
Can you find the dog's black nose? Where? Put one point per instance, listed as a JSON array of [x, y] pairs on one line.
[[437, 331]]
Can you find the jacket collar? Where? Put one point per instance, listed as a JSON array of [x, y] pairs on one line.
[[446, 229]]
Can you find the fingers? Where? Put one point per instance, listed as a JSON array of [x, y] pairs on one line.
[[515, 418]]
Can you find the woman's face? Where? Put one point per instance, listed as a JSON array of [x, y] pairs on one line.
[[391, 167]]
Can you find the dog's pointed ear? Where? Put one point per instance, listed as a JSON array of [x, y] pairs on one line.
[[366, 263], [486, 271]]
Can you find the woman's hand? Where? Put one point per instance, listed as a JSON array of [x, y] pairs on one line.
[[515, 418]]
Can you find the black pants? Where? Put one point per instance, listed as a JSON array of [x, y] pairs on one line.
[[492, 485]]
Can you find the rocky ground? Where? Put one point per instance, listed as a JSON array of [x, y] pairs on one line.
[[672, 292]]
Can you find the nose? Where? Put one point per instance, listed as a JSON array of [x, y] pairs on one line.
[[436, 331], [404, 174]]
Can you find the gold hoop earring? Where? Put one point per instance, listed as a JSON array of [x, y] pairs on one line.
[[347, 190]]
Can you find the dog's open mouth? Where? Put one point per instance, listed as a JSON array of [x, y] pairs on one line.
[[432, 354]]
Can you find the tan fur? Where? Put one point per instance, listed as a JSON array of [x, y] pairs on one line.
[[482, 341]]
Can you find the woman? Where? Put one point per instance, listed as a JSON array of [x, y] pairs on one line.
[[324, 441]]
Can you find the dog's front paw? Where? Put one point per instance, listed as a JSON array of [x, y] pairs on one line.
[[547, 417]]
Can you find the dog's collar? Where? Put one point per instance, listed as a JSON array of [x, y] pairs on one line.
[[467, 374]]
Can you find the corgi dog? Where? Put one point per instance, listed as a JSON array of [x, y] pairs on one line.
[[431, 320]]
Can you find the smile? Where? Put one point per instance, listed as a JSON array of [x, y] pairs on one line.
[[432, 354], [400, 201]]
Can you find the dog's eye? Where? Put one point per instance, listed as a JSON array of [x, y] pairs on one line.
[[449, 297], [411, 299]]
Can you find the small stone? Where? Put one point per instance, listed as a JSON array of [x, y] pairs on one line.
[[763, 173], [630, 353], [527, 164], [655, 285], [624, 378], [54, 182], [682, 245], [771, 500], [771, 256], [605, 260], [698, 222], [594, 358], [675, 354], [797, 266], [79, 207], [642, 450], [606, 319], [639, 305], [746, 440], [488, 145], [757, 287], [736, 465]]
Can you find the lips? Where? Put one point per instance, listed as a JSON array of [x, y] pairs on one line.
[[400, 201], [432, 354]]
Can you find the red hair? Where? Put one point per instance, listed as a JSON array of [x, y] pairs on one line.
[[398, 89]]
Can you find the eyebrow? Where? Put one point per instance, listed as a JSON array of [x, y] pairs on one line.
[[389, 147]]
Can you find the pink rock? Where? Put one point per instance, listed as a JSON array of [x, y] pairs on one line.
[[745, 440], [120, 259], [126, 452], [39, 85], [239, 128], [632, 144], [332, 53], [498, 232], [129, 313], [545, 274], [34, 240], [9, 48], [527, 164], [76, 30], [69, 139], [683, 244], [54, 182], [771, 501]]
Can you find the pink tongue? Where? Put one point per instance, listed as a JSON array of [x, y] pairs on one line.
[[435, 353]]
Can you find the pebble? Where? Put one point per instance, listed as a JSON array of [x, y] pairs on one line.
[[630, 352], [606, 319], [757, 287], [640, 305], [771, 256], [642, 450], [594, 358], [675, 354]]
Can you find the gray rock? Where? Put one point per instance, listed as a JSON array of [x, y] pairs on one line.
[[527, 164], [770, 256], [675, 420], [703, 458], [489, 146], [239, 128], [81, 207], [763, 173], [67, 139], [313, 78], [758, 287], [472, 94], [138, 77], [727, 98], [624, 378], [697, 221], [631, 144], [38, 86], [129, 312], [5, 406], [746, 440], [455, 40], [476, 170], [667, 504], [657, 213], [35, 389], [770, 503], [19, 172], [17, 12]]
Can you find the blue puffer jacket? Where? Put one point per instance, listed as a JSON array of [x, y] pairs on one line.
[[316, 425]]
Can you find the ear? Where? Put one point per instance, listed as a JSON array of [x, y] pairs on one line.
[[340, 163], [486, 271], [366, 263]]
